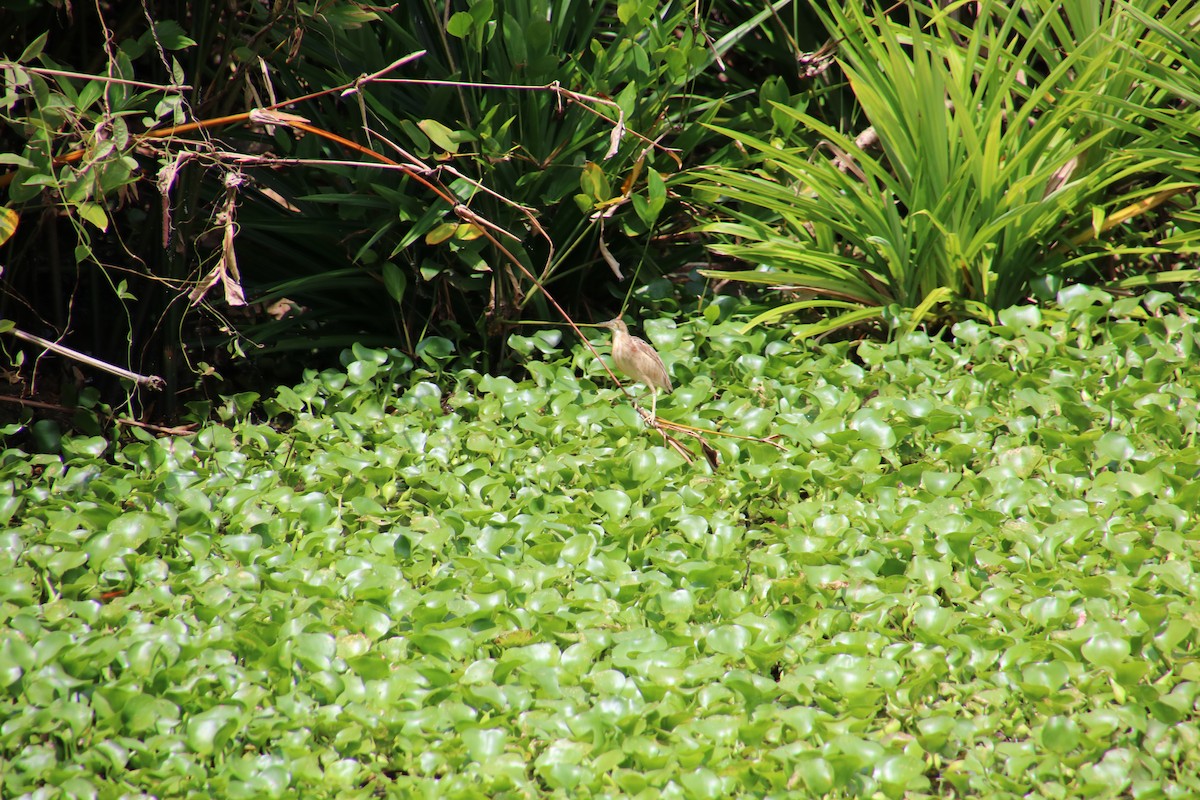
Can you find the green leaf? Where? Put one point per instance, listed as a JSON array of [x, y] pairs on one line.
[[170, 35], [613, 502], [395, 281], [439, 134], [944, 540], [94, 214], [434, 349], [460, 24], [34, 48], [208, 732], [1106, 650]]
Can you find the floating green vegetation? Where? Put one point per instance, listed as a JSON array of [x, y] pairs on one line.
[[968, 568]]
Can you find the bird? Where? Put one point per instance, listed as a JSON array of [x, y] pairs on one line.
[[638, 360]]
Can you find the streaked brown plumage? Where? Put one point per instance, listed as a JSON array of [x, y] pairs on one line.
[[638, 360]]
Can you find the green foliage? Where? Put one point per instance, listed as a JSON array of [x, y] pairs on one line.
[[561, 124], [69, 144], [967, 569], [1007, 150], [571, 175], [55, 114]]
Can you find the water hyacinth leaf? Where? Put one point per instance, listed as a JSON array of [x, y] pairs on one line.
[[360, 372], [705, 784], [678, 604], [729, 639], [933, 620], [208, 732], [613, 502], [578, 548], [1021, 317], [1060, 734], [875, 431], [435, 565], [92, 446], [901, 773], [939, 483], [63, 562], [1106, 649], [47, 436], [484, 743], [1114, 447]]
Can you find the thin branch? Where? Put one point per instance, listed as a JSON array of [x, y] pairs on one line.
[[362, 80], [150, 381], [62, 73], [181, 430], [4, 398], [578, 97]]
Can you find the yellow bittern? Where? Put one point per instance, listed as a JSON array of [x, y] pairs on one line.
[[638, 360]]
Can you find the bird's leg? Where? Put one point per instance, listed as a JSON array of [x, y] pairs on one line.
[[654, 403]]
